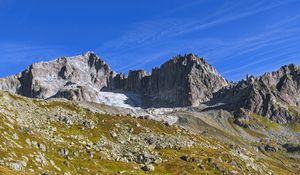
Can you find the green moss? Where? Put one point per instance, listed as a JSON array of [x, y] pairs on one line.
[[177, 166], [71, 106], [268, 124], [293, 111], [5, 170], [295, 126], [254, 133]]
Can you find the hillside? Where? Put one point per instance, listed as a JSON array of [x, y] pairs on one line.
[[58, 136]]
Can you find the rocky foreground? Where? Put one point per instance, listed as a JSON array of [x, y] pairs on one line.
[[62, 137]]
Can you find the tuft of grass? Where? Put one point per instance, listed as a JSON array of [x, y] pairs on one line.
[[5, 170], [295, 126], [268, 124], [254, 133], [71, 106], [293, 111]]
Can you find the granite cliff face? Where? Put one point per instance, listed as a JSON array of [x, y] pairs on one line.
[[182, 81], [74, 78], [185, 80], [274, 95]]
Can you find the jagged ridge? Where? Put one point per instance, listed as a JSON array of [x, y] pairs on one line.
[[274, 95], [74, 78], [183, 81]]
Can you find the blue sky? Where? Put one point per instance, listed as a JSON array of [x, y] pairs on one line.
[[237, 37]]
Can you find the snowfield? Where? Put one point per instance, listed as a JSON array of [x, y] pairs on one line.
[[118, 99], [132, 102]]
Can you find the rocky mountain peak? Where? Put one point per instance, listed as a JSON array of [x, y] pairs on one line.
[[274, 94], [290, 68], [77, 78], [184, 80], [190, 59]]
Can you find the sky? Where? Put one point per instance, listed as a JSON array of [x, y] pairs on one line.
[[236, 37]]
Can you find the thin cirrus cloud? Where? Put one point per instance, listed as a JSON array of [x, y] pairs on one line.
[[253, 43], [150, 31], [165, 36], [260, 47], [237, 66], [254, 9], [17, 56], [235, 36]]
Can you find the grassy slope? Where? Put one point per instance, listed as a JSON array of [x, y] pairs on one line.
[[84, 164]]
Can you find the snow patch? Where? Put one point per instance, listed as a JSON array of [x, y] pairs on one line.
[[132, 102], [118, 99]]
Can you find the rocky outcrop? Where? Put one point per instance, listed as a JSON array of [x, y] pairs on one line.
[[134, 82], [185, 80], [182, 81], [75, 78], [274, 95]]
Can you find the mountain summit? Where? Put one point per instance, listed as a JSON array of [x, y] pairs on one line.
[[274, 95], [182, 81], [74, 78], [185, 80]]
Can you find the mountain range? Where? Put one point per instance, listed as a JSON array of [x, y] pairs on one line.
[[259, 115], [185, 80]]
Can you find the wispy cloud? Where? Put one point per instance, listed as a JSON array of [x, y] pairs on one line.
[[16, 56], [144, 37], [285, 57], [254, 9], [151, 31]]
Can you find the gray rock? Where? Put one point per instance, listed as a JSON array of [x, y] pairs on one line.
[[41, 146], [40, 158], [274, 95], [268, 148], [145, 158], [158, 160], [73, 78], [196, 160], [15, 136], [271, 148], [211, 160], [27, 140], [63, 152], [89, 124], [113, 134], [185, 158], [292, 148], [182, 81], [18, 165], [148, 167]]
